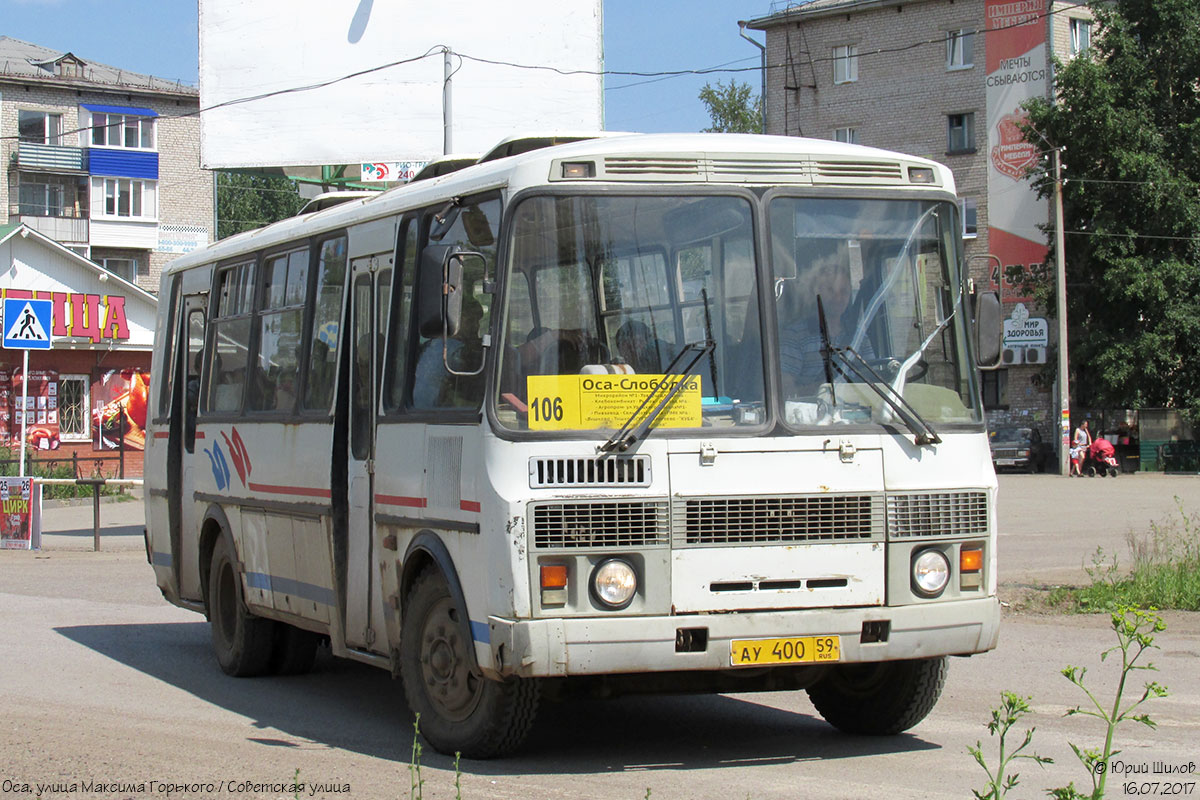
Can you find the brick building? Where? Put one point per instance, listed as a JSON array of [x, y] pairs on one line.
[[102, 188], [102, 160], [943, 79]]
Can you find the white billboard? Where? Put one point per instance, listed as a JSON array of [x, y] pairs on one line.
[[304, 82]]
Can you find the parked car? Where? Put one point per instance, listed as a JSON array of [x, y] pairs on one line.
[[1019, 448]]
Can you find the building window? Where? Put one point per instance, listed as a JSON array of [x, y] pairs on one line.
[[995, 388], [73, 403], [960, 133], [50, 196], [969, 208], [126, 268], [847, 135], [1081, 35], [960, 49], [122, 130], [845, 63], [124, 197], [39, 127]]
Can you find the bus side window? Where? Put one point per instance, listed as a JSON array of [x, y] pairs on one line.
[[433, 386], [280, 319], [400, 317], [327, 314], [231, 338]]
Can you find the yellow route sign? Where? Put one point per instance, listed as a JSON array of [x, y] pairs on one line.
[[563, 402]]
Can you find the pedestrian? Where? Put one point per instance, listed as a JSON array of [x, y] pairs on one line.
[[1079, 446]]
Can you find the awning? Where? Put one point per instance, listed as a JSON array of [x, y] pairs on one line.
[[133, 112]]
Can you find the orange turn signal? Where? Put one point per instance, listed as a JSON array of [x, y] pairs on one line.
[[968, 560], [554, 576]]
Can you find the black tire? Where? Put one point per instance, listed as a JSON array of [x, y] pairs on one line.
[[880, 699], [243, 643], [295, 650], [461, 711]]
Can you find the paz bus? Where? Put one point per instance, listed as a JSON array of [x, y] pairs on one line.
[[630, 413]]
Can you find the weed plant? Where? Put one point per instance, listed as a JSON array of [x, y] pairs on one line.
[[1165, 571]]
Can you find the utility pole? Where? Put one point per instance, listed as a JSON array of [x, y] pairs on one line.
[[447, 102], [1060, 263]]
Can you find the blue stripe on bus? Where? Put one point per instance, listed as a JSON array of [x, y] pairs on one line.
[[308, 591], [162, 559], [480, 632]]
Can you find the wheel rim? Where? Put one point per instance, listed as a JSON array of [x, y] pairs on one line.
[[225, 612], [451, 685]]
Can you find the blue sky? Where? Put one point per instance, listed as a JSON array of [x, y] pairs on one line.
[[158, 37]]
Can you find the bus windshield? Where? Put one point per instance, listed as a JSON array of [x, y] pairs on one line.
[[605, 291], [884, 275]]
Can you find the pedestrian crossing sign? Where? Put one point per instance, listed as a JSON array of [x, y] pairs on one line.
[[26, 324]]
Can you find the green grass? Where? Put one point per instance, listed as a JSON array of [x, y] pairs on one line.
[[1165, 571]]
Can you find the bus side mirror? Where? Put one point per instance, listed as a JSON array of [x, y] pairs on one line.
[[988, 329], [439, 292]]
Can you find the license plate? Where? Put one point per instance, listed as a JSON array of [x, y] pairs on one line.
[[1005, 462], [795, 650]]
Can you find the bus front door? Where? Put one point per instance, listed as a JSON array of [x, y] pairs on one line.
[[364, 603]]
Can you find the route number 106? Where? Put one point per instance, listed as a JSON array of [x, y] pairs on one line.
[[546, 409]]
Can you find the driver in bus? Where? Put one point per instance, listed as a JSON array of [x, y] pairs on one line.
[[800, 338]]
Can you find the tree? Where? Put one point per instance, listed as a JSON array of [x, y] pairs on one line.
[[732, 108], [246, 201], [1127, 115]]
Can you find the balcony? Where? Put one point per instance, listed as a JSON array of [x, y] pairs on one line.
[[50, 157], [60, 224]]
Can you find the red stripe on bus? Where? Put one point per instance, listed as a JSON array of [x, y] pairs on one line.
[[199, 434], [302, 491], [397, 500], [469, 505], [162, 434]]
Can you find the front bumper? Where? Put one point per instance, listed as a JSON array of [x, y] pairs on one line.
[[615, 645]]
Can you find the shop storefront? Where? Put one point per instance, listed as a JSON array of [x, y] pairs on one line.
[[84, 403]]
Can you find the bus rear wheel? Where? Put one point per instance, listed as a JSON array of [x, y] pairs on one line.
[[881, 698], [243, 643], [460, 710]]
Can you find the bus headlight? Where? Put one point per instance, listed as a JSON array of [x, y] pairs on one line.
[[930, 573], [614, 583]]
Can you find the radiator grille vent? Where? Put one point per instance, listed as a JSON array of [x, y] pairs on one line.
[[779, 170], [623, 524], [754, 520], [546, 472], [937, 514]]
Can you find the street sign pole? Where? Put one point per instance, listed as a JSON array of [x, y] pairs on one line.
[[27, 326], [24, 403]]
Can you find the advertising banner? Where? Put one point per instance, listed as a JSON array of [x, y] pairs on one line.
[[21, 520], [1017, 70], [119, 398]]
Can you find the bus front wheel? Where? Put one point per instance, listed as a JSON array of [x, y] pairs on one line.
[[881, 698], [242, 642], [460, 710]]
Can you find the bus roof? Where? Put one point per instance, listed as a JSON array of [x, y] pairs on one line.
[[713, 159]]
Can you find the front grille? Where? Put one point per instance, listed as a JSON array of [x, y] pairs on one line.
[[928, 514], [766, 520], [589, 471], [600, 524]]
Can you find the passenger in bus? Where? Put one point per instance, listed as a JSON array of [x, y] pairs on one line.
[[800, 337], [640, 348]]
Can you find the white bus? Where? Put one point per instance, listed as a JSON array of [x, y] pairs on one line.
[[635, 413]]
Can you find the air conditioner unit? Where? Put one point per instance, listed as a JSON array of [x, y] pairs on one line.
[[1035, 355], [1012, 355]]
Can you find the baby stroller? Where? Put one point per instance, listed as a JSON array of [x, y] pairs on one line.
[[1100, 459]]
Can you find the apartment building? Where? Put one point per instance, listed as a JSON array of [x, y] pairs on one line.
[[103, 187], [944, 79], [102, 160]]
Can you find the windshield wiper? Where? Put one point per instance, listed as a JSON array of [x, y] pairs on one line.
[[922, 430], [624, 438]]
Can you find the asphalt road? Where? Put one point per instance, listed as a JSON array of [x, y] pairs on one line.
[[103, 682]]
